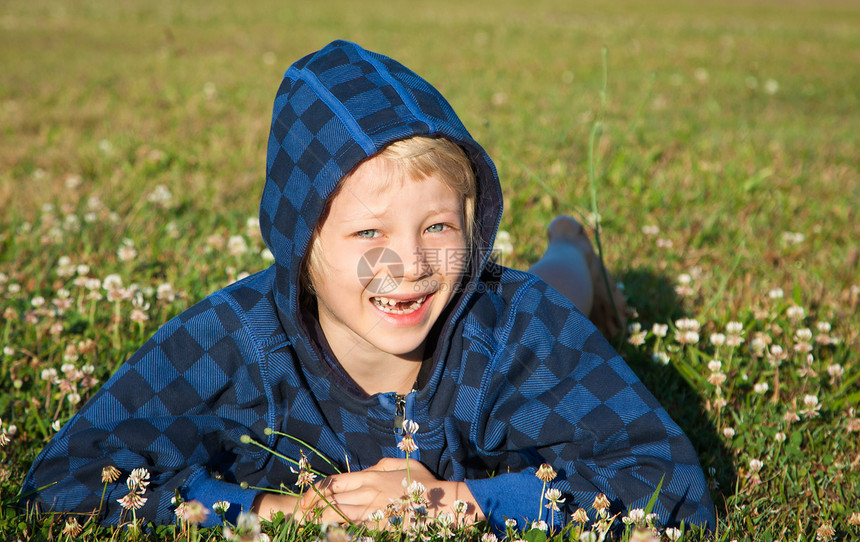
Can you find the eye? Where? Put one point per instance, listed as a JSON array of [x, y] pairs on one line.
[[436, 228], [367, 234]]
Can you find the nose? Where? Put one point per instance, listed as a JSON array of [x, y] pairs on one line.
[[418, 259]]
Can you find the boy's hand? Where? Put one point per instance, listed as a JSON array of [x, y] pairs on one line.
[[356, 495]]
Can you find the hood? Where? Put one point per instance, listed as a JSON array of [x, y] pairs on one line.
[[334, 109]]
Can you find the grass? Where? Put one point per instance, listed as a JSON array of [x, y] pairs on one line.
[[729, 153]]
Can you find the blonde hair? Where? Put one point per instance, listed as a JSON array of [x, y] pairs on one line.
[[417, 158]]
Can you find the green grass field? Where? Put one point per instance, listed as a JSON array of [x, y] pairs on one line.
[[132, 142]]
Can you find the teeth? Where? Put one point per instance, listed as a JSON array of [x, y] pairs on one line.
[[390, 306]]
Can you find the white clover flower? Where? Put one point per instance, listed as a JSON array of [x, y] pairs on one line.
[[771, 86], [502, 246], [160, 195], [660, 330], [112, 282], [221, 507], [193, 512], [489, 537], [132, 501], [651, 229], [546, 473], [793, 238], [687, 337], [660, 357], [795, 313], [410, 426], [637, 515], [776, 293], [416, 491], [715, 365], [779, 437], [803, 334], [717, 339], [588, 536], [73, 181], [687, 324], [636, 337], [758, 345], [509, 523], [71, 223], [247, 529], [728, 432], [236, 245], [138, 479], [673, 533], [554, 497], [539, 525], [835, 371], [165, 292], [755, 465], [717, 379], [761, 387], [812, 407], [379, 515], [65, 267], [580, 516]]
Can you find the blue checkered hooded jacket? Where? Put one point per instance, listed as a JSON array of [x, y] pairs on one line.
[[519, 376]]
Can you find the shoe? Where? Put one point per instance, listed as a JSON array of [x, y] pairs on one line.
[[571, 266]]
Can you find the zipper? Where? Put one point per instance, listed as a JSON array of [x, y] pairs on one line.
[[399, 413]]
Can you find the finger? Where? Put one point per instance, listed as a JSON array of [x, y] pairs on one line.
[[343, 514], [387, 464], [355, 506], [339, 483]]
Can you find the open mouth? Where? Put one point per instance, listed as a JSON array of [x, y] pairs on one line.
[[393, 306]]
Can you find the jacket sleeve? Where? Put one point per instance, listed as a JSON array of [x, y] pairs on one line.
[[177, 408], [558, 393]]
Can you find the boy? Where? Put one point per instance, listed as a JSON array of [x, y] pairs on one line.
[[382, 306]]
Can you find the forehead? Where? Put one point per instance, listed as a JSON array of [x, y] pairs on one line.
[[379, 182]]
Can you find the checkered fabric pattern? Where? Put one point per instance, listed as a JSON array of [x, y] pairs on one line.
[[520, 378]]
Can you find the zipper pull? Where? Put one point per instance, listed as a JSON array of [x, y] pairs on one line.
[[400, 413]]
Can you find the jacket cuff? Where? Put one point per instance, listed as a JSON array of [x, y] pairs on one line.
[[208, 491], [509, 496]]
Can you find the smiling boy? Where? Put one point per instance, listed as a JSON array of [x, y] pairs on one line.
[[378, 334], [370, 315]]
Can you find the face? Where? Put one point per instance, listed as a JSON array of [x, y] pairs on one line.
[[391, 252]]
